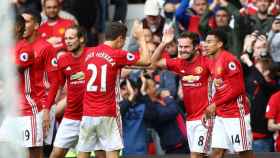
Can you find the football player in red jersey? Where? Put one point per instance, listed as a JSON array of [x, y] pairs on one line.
[[193, 70], [273, 115], [54, 28], [70, 66], [229, 103], [29, 123], [101, 125], [45, 67]]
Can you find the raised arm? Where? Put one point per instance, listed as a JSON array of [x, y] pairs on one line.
[[157, 60], [145, 55]]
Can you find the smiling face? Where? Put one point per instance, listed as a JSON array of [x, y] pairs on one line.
[[186, 49]]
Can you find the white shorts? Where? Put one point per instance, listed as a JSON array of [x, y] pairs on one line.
[[67, 134], [30, 128], [232, 133], [100, 133], [199, 137]]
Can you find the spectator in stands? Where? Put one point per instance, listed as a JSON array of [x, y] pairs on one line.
[[120, 10], [136, 113], [261, 21], [222, 19], [21, 5], [169, 123], [274, 40], [188, 17], [260, 85], [152, 21]]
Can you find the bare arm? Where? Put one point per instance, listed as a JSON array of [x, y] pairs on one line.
[[157, 60], [272, 126], [145, 55]]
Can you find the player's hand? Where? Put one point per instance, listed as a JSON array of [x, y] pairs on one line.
[[210, 111], [138, 31], [46, 122], [168, 35], [131, 93]]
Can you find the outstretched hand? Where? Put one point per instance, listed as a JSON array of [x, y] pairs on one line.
[[168, 35]]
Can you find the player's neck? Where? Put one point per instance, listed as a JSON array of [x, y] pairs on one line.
[[32, 38], [52, 21], [78, 52], [110, 44], [215, 55]]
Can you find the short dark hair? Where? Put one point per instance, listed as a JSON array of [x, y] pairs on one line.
[[191, 35], [220, 35], [223, 9], [35, 14], [44, 2], [20, 22], [114, 30]]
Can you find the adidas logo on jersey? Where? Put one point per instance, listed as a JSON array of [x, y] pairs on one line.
[[68, 68]]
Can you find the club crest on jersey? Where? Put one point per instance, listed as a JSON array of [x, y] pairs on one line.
[[130, 56], [61, 31], [54, 62], [190, 78], [23, 57], [232, 66], [198, 70], [68, 68]]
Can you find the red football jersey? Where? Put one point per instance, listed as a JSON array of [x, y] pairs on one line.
[[55, 30], [45, 63], [230, 96], [194, 79], [273, 112], [24, 59], [102, 69], [71, 69]]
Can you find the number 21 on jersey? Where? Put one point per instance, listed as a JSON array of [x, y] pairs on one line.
[[91, 86]]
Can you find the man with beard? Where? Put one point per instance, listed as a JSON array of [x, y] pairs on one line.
[[53, 29], [192, 68]]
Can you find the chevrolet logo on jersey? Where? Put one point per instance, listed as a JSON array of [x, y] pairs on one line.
[[78, 76], [190, 78]]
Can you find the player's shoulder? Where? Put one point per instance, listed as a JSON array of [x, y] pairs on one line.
[[276, 95], [66, 21]]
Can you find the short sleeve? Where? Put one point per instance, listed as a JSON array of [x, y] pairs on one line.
[[24, 57], [271, 109], [232, 67], [173, 64], [50, 60], [126, 58]]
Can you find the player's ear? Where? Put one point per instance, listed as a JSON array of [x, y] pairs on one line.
[[220, 44], [82, 40], [37, 25]]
